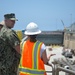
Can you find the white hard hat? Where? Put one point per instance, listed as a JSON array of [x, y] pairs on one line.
[[32, 29], [2, 23]]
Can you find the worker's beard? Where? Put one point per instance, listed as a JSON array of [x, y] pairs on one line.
[[33, 36]]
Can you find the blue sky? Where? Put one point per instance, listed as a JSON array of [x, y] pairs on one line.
[[46, 13]]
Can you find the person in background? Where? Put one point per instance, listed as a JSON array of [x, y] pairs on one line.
[[33, 56], [9, 47], [1, 24]]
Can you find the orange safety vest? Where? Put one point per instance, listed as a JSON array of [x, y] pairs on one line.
[[31, 63]]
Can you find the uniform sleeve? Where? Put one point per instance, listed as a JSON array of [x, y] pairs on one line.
[[13, 38], [43, 47]]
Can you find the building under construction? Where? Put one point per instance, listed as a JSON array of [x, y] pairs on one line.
[[51, 37], [69, 37]]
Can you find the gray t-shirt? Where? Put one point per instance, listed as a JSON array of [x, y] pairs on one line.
[[43, 47]]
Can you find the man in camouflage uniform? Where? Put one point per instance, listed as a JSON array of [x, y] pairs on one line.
[[9, 47]]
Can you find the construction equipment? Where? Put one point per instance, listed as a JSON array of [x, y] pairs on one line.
[[63, 24]]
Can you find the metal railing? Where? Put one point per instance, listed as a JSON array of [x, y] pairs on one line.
[[70, 72], [53, 71]]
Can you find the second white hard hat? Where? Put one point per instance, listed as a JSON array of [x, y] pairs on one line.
[[32, 29]]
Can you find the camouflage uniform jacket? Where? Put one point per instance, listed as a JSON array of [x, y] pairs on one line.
[[9, 57]]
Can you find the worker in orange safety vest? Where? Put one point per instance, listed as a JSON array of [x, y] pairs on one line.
[[33, 55]]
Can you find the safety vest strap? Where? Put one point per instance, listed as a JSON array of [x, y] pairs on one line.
[[30, 71], [35, 55]]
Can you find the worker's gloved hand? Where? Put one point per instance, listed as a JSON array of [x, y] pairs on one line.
[[50, 56]]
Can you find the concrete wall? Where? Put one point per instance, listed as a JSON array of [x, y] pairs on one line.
[[69, 40]]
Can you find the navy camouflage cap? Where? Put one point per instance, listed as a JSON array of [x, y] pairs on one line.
[[10, 16]]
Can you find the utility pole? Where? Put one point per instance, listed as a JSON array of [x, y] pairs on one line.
[[71, 18], [71, 22]]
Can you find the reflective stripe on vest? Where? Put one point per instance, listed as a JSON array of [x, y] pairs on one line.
[[34, 69], [31, 71], [35, 54]]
